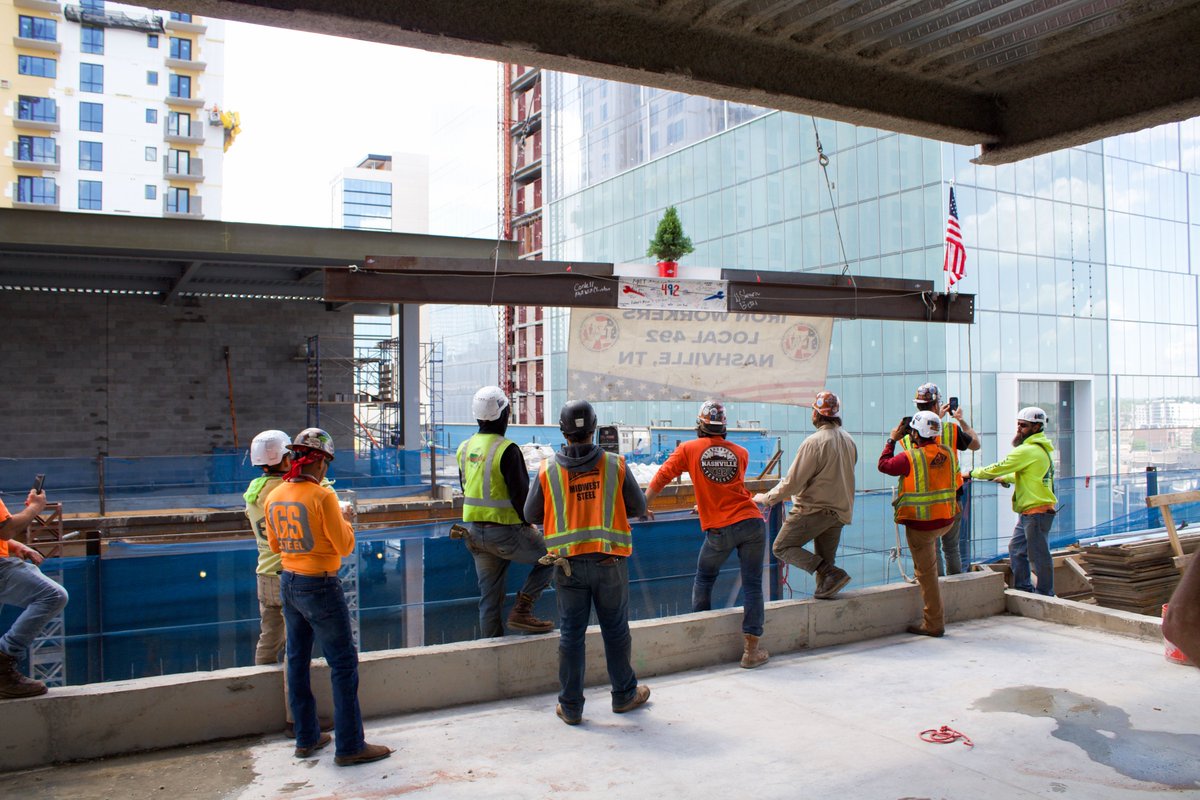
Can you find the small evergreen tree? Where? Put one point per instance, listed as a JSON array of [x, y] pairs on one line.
[[669, 243]]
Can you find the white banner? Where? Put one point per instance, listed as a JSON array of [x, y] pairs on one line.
[[695, 355], [672, 293]]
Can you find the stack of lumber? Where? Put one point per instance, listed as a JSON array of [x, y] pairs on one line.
[[1135, 575]]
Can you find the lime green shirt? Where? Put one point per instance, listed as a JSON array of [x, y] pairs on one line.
[[1030, 468], [256, 501]]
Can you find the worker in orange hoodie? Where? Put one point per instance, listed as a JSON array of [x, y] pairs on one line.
[[728, 515], [309, 529]]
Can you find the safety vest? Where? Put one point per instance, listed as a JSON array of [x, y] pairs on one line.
[[586, 510], [485, 493], [950, 439], [927, 491]]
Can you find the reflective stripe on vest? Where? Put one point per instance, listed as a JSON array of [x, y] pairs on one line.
[[952, 445], [611, 535], [926, 492], [483, 481]]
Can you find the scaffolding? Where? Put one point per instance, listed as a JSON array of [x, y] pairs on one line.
[[434, 439], [48, 653], [370, 371]]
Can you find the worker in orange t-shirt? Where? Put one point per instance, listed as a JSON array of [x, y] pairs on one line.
[[730, 519], [23, 585], [312, 533]]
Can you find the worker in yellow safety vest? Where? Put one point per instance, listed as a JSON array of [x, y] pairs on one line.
[[495, 484], [925, 504], [585, 498]]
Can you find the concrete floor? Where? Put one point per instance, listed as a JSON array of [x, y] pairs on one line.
[[1054, 711]]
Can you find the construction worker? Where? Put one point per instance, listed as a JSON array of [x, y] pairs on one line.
[[1181, 622], [308, 528], [269, 451], [23, 585], [584, 500], [925, 505], [957, 437], [728, 515], [495, 484], [1030, 466], [821, 485]]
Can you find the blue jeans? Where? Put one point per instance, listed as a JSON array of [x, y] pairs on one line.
[[749, 538], [493, 547], [315, 608], [603, 582], [23, 585], [1030, 546]]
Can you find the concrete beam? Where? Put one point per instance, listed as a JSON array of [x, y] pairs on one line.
[[108, 719], [1083, 615]]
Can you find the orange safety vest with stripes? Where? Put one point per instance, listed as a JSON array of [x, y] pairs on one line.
[[927, 491], [948, 437], [585, 511]]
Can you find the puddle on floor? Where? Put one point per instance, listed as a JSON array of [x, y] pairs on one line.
[[1104, 732]]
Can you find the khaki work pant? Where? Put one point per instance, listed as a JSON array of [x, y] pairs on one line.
[[923, 545], [272, 637], [823, 529]]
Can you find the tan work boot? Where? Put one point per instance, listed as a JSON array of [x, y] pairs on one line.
[[320, 744], [754, 656], [369, 753], [640, 696], [13, 683], [522, 617], [830, 581]]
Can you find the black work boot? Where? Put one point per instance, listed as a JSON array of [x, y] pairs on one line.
[[13, 683], [522, 617]]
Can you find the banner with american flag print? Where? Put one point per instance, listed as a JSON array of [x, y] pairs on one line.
[[955, 263]]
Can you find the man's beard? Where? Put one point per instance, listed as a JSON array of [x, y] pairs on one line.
[[1019, 438]]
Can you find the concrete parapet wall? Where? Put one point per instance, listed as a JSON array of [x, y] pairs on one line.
[[1083, 615], [128, 716]]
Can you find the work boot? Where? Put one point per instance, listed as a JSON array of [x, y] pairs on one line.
[[522, 617], [754, 656], [369, 753], [308, 752], [830, 581], [326, 724], [640, 695], [570, 719], [13, 683]]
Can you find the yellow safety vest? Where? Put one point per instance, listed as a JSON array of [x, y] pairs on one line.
[[485, 493], [585, 511]]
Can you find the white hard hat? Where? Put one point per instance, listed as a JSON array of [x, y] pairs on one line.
[[1032, 414], [489, 403], [269, 448], [926, 424]]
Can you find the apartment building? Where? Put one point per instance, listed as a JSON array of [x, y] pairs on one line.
[[111, 108]]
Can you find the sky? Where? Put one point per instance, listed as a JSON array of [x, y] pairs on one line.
[[313, 105]]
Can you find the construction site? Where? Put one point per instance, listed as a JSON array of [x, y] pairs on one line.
[[147, 353]]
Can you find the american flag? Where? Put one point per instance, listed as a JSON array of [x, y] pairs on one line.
[[956, 254]]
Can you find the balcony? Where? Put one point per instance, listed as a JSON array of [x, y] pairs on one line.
[[39, 164], [186, 64], [527, 173], [43, 45], [194, 173], [185, 27], [185, 134], [28, 124], [526, 126], [45, 6], [189, 102], [114, 19], [193, 211], [44, 204], [525, 80]]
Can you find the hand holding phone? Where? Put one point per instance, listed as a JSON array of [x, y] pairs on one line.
[[38, 481], [953, 405]]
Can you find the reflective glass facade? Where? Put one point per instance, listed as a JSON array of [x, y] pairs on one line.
[[1082, 261]]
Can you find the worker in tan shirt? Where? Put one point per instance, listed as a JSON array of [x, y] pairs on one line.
[[312, 533], [820, 483]]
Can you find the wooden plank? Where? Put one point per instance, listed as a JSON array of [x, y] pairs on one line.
[[1181, 562], [1172, 533], [1173, 499], [1075, 567]]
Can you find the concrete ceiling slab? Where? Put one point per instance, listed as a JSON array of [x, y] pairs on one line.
[[1016, 77]]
